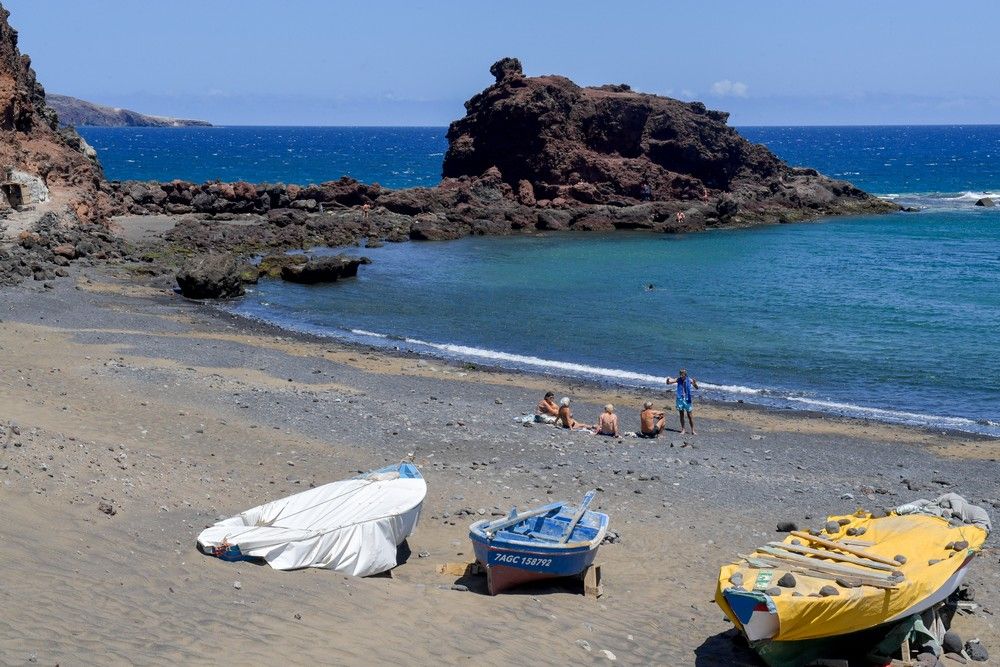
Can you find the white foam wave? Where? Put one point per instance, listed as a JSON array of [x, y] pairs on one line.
[[883, 414], [537, 362], [371, 334]]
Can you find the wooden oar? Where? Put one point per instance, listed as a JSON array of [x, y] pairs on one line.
[[822, 565], [515, 518], [843, 547], [832, 555], [587, 499]]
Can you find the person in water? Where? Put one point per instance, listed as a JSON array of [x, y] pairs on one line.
[[607, 423], [651, 422], [565, 418], [684, 398]]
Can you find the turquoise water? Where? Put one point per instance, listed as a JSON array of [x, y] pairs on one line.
[[895, 318]]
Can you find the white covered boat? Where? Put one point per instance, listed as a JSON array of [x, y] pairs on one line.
[[353, 526]]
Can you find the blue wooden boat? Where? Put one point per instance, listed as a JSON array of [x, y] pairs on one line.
[[557, 540]]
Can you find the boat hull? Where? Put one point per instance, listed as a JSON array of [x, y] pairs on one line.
[[508, 566]]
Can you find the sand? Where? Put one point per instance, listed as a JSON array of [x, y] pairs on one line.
[[177, 414]]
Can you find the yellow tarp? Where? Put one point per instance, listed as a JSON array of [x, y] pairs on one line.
[[920, 538]]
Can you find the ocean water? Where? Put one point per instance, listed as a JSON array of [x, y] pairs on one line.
[[893, 318]]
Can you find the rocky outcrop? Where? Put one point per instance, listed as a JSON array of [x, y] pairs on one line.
[[45, 253], [551, 140], [75, 112], [30, 138], [322, 269], [986, 202], [211, 276]]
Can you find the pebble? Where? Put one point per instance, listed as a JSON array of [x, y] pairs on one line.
[[609, 655], [459, 587], [900, 558], [584, 644], [975, 650], [774, 591], [844, 583], [297, 617], [956, 657], [827, 591], [787, 526], [960, 545], [423, 554], [237, 585], [832, 527], [952, 642], [787, 580]]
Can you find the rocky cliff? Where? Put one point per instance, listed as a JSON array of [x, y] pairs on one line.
[[30, 139], [553, 140], [77, 113]]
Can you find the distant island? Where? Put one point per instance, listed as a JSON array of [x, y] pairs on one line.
[[76, 113]]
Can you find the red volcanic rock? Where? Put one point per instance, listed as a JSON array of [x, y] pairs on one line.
[[30, 140], [606, 144]]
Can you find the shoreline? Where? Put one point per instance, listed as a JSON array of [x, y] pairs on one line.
[[176, 414], [597, 390], [405, 347]]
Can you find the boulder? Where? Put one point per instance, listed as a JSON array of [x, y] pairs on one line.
[[432, 230], [323, 269], [272, 265], [211, 276], [986, 202]]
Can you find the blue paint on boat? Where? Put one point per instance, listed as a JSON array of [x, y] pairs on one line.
[[544, 543]]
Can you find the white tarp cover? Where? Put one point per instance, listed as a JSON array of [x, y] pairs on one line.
[[353, 526]]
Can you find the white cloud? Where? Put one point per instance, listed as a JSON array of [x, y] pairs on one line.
[[726, 88]]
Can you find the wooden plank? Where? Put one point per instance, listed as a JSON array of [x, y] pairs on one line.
[[587, 499], [515, 518], [592, 586], [459, 569], [822, 553], [823, 566], [763, 563], [843, 547], [851, 542]]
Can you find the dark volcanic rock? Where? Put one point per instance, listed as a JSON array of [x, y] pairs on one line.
[[608, 143], [323, 269], [211, 276]]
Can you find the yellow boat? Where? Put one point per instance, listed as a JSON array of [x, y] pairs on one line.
[[858, 573]]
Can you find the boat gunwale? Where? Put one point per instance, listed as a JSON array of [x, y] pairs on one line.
[[477, 533]]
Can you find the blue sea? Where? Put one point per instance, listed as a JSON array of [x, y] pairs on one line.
[[893, 318]]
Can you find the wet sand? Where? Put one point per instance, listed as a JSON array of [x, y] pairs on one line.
[[177, 414]]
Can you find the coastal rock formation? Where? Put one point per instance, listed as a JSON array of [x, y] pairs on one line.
[[76, 113], [30, 139], [322, 269], [211, 276], [551, 139], [985, 202]]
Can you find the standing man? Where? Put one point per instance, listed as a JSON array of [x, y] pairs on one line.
[[684, 385]]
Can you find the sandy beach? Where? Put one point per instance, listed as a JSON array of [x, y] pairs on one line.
[[176, 414]]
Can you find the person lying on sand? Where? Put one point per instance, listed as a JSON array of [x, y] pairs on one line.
[[651, 422], [684, 384], [607, 423], [565, 418]]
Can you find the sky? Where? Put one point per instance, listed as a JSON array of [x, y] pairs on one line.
[[328, 62]]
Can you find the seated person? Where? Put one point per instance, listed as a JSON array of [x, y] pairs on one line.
[[547, 409], [607, 424], [565, 418], [651, 422]]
